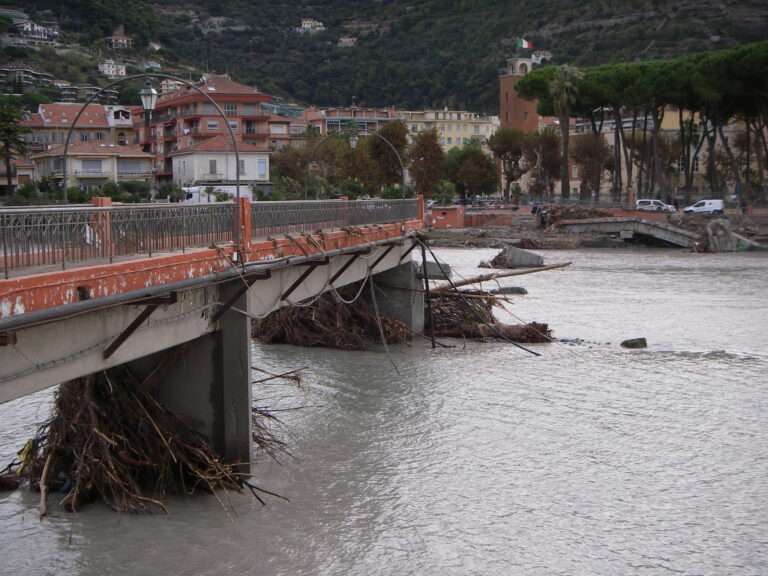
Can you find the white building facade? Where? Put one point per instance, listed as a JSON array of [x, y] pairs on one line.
[[200, 168]]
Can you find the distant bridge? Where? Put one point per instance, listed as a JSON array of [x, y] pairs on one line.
[[170, 289], [629, 228]]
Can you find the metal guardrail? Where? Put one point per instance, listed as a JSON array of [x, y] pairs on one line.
[[70, 235], [64, 236], [269, 218]]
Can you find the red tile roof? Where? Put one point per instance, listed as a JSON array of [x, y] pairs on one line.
[[95, 148], [62, 114], [214, 84], [221, 143], [22, 163], [225, 85]]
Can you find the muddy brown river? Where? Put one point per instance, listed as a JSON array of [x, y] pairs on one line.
[[482, 459]]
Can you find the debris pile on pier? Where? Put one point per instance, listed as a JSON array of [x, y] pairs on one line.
[[108, 439], [336, 322], [469, 314], [329, 322]]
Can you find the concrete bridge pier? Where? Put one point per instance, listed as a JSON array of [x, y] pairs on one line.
[[207, 381], [399, 295]]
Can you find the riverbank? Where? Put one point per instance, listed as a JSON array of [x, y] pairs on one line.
[[500, 229]]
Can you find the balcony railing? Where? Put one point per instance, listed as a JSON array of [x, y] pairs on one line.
[[134, 174], [68, 236], [91, 173]]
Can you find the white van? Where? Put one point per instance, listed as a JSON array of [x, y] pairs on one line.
[[653, 205], [706, 207]]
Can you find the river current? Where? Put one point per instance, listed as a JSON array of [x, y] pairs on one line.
[[482, 459]]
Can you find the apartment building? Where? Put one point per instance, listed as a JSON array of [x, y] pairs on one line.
[[90, 165], [17, 77], [353, 118], [98, 123], [112, 69], [187, 132], [455, 128], [119, 40]]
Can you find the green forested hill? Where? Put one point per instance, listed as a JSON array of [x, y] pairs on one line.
[[411, 53]]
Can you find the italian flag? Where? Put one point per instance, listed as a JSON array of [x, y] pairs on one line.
[[523, 43]]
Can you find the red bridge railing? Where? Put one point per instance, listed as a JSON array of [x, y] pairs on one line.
[[68, 236]]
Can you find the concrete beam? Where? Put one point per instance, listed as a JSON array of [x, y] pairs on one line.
[[47, 354]]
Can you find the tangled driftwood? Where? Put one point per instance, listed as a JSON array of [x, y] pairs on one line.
[[328, 322], [332, 323], [110, 440]]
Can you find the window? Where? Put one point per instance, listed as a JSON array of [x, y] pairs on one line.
[[83, 136], [212, 125], [121, 139], [233, 124], [250, 127], [230, 109], [99, 136], [261, 168], [476, 129], [212, 166], [91, 166], [450, 140]]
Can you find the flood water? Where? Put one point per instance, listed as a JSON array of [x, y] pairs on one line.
[[482, 459]]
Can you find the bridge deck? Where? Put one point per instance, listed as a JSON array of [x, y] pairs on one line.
[[658, 230], [56, 257]]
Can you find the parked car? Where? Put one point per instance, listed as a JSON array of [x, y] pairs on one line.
[[716, 206], [653, 205]]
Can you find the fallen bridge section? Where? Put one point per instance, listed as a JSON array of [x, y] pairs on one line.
[[631, 228]]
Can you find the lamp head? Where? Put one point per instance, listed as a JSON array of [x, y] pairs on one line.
[[148, 96]]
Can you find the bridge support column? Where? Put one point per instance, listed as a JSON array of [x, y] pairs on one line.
[[399, 295], [207, 382]]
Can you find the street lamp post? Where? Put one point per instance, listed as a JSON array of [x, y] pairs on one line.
[[353, 141], [397, 155], [148, 97]]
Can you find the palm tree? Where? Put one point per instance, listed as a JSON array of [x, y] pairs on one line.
[[564, 89], [11, 137]]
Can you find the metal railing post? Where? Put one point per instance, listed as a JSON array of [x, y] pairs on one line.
[[5, 250]]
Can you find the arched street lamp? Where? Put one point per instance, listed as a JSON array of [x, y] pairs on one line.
[[149, 97], [353, 141]]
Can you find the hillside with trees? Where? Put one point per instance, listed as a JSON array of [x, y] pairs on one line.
[[430, 53]]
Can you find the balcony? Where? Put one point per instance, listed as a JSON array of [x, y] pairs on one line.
[[256, 135], [91, 174], [212, 177], [134, 174]]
